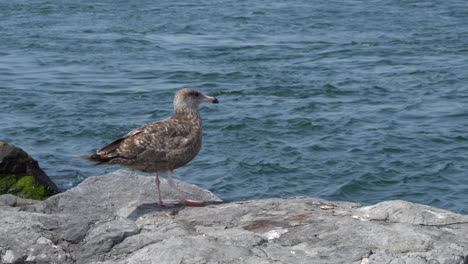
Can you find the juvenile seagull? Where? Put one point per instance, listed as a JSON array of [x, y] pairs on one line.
[[161, 146]]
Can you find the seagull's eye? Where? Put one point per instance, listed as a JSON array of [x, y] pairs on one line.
[[196, 94]]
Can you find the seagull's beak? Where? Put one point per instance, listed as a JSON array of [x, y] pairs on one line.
[[210, 99]]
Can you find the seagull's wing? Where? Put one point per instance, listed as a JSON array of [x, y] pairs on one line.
[[114, 145], [159, 138]]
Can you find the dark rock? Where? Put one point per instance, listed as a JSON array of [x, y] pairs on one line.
[[21, 175], [114, 219]]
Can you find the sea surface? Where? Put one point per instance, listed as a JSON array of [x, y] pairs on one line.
[[362, 101]]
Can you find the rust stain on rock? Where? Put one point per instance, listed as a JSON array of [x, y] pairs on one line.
[[259, 224], [299, 217]]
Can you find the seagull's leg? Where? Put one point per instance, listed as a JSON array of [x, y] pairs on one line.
[[158, 182], [160, 202], [181, 195]]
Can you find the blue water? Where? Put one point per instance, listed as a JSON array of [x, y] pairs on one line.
[[362, 101]]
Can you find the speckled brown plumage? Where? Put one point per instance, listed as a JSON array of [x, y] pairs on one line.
[[156, 147], [161, 146]]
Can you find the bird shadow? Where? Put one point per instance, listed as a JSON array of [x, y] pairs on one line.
[[148, 208]]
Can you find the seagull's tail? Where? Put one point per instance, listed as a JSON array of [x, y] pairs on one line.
[[98, 159]]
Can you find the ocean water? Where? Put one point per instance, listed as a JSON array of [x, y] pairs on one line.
[[362, 101]]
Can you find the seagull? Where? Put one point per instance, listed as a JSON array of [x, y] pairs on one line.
[[162, 146]]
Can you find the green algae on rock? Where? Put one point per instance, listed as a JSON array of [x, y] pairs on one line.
[[24, 186], [21, 175]]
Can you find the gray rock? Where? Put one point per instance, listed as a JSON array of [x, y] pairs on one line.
[[13, 201], [120, 193], [114, 218]]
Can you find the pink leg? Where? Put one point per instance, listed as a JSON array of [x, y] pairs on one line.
[[181, 195], [158, 183]]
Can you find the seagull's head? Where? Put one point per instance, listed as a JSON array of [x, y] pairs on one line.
[[187, 100]]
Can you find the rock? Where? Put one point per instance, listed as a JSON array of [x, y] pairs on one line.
[[13, 201], [114, 219], [20, 175]]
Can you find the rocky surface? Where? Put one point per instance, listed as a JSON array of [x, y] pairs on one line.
[[114, 219], [20, 174]]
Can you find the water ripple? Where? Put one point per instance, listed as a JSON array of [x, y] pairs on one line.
[[315, 99]]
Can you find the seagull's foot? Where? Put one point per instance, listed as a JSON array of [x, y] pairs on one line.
[[168, 205], [193, 203]]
